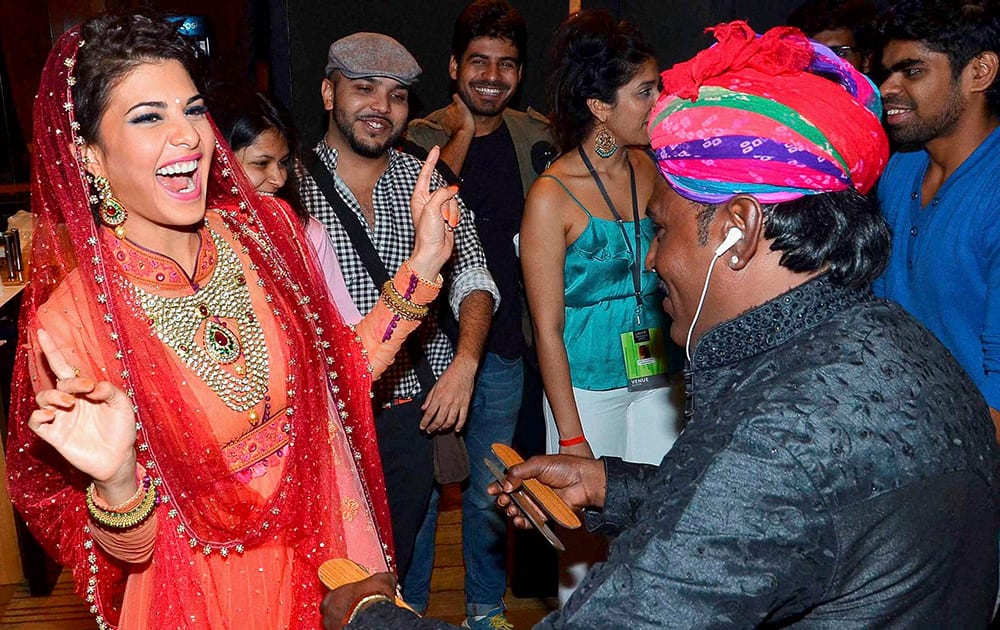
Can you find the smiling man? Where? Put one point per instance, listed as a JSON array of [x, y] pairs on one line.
[[940, 195], [366, 95], [838, 469], [498, 151]]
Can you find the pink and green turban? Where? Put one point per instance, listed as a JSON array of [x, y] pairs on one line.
[[776, 116]]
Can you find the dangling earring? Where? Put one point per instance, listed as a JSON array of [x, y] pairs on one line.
[[605, 143], [113, 214]]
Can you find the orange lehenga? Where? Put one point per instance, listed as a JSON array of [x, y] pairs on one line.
[[264, 457], [252, 586]]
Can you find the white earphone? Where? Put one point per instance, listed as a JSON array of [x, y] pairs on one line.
[[734, 234]]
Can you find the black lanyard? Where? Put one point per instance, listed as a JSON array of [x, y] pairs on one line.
[[636, 252]]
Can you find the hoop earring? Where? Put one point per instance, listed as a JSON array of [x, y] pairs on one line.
[[605, 143], [112, 213]]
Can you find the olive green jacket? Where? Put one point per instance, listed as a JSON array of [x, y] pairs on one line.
[[526, 129]]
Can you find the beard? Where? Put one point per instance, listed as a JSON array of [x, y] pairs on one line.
[[366, 147], [469, 97], [919, 131]]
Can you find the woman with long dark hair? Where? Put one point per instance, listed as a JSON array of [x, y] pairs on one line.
[[598, 322], [266, 144], [191, 427]]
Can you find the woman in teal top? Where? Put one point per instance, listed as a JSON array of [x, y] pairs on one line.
[[599, 296], [583, 241], [584, 274]]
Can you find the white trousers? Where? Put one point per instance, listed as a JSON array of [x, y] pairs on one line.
[[635, 426]]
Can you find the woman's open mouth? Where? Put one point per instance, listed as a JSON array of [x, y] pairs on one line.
[[180, 179]]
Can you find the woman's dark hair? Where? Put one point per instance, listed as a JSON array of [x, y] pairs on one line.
[[593, 56], [843, 231], [489, 18], [243, 116], [114, 45], [959, 29]]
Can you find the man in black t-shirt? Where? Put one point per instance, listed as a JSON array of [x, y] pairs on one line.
[[496, 152]]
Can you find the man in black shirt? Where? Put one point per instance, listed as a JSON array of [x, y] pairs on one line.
[[491, 147]]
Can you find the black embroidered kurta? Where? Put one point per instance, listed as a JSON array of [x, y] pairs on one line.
[[837, 471]]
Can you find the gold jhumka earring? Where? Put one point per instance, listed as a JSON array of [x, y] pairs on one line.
[[112, 213]]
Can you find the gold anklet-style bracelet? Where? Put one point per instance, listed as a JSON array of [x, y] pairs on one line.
[[436, 284], [363, 602], [123, 520], [400, 305]]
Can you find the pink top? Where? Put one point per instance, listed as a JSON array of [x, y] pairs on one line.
[[328, 262]]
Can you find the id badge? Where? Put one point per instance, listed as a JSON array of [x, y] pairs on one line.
[[646, 359]]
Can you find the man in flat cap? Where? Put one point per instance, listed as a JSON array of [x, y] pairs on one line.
[[839, 468], [359, 186]]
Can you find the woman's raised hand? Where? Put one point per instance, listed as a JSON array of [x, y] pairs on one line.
[[90, 423], [435, 216]]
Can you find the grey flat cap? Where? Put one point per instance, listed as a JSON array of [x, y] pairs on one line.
[[372, 55]]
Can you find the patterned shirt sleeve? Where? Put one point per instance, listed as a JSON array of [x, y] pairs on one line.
[[746, 539], [470, 272], [393, 237]]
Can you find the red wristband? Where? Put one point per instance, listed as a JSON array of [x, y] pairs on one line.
[[580, 439]]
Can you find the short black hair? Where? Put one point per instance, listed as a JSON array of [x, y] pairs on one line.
[[489, 18], [959, 29], [843, 232], [857, 16], [593, 55], [114, 45]]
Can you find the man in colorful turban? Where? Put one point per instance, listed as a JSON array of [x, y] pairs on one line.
[[775, 116], [838, 468]]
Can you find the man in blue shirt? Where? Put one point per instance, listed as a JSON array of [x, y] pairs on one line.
[[940, 193]]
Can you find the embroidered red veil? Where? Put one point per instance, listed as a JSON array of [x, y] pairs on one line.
[[203, 508]]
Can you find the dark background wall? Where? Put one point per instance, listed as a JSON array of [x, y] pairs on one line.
[[305, 29], [280, 45], [423, 27], [676, 28]]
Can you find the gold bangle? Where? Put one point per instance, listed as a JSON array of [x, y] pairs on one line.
[[363, 602], [402, 312], [402, 301], [133, 501], [126, 506], [124, 520], [400, 305], [436, 284]]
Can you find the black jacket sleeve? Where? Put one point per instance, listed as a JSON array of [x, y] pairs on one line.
[[624, 494]]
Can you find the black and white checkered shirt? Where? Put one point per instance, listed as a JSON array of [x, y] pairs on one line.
[[393, 238]]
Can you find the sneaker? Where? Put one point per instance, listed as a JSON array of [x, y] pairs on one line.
[[493, 620]]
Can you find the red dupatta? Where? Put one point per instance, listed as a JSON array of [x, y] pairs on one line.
[[203, 508]]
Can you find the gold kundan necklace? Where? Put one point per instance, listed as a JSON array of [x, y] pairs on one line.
[[195, 327]]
